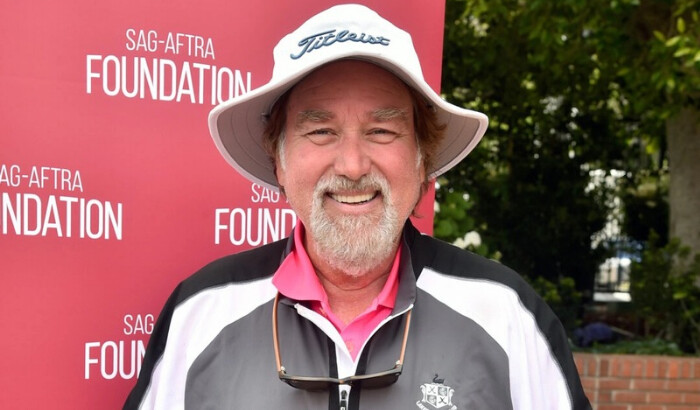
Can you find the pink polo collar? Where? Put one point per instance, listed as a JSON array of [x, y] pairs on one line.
[[296, 279]]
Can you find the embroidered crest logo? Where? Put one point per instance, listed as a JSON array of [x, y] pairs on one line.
[[437, 395]]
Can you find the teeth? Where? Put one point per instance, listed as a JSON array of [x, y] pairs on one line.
[[352, 199]]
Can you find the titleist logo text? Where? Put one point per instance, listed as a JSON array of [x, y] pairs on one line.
[[330, 37]]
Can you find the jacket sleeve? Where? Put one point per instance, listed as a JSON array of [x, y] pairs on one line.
[[154, 353]]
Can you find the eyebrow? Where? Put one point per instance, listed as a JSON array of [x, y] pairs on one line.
[[387, 114], [380, 114], [313, 115]]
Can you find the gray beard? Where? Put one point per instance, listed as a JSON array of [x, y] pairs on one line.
[[354, 244]]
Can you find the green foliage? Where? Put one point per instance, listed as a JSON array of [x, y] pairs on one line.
[[575, 88], [454, 223], [645, 202], [665, 295], [674, 55], [529, 68], [452, 218], [570, 87]]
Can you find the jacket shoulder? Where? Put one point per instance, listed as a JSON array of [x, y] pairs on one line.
[[442, 257], [246, 266]]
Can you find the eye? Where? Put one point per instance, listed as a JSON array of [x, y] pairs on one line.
[[382, 135], [321, 136]]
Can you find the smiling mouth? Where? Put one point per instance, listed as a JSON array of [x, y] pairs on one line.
[[354, 199]]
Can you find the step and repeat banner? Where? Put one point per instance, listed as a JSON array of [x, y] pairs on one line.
[[111, 190]]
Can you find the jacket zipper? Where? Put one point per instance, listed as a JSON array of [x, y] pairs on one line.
[[344, 400]]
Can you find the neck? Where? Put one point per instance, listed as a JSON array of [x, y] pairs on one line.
[[349, 295]]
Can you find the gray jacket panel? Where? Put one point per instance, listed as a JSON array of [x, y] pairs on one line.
[[480, 338]]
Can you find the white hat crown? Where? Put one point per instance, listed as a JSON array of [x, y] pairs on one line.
[[340, 32], [344, 31]]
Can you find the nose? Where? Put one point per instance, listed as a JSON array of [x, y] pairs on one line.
[[352, 159]]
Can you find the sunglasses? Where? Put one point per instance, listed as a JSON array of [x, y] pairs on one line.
[[367, 381]]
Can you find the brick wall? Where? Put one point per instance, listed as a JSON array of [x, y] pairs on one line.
[[636, 382]]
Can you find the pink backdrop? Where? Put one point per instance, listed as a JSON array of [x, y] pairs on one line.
[[111, 190]]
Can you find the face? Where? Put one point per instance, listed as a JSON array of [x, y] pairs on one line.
[[349, 163]]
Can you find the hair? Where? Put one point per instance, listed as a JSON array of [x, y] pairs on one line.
[[273, 134], [427, 127]]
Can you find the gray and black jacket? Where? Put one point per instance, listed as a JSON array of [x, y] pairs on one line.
[[480, 338]]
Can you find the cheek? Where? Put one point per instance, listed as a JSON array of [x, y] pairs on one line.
[[407, 165], [306, 164], [290, 170], [409, 175], [299, 178]]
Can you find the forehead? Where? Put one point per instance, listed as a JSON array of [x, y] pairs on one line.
[[349, 82]]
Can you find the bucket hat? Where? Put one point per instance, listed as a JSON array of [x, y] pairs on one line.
[[347, 31]]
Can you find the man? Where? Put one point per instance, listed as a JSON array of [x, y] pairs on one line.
[[356, 309]]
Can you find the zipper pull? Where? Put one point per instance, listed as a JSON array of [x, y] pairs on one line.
[[344, 400]]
